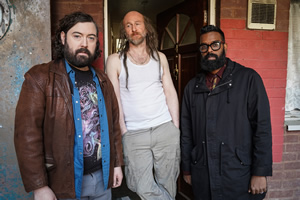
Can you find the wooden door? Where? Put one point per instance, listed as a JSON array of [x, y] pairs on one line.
[[179, 36]]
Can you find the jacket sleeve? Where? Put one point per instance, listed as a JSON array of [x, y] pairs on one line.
[[28, 135], [186, 140], [116, 129], [259, 116]]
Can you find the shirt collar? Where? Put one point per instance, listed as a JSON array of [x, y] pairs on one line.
[[210, 76], [69, 68]]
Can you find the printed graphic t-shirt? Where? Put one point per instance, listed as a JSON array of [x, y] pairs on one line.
[[90, 120]]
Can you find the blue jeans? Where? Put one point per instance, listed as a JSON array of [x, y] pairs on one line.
[[93, 187]]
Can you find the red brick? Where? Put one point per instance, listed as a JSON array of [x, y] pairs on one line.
[[277, 148], [269, 83], [283, 4], [282, 25], [233, 13], [277, 126], [72, 1], [296, 194], [273, 55], [290, 184], [282, 15], [291, 175], [226, 13], [234, 4], [291, 139], [281, 193], [277, 120], [274, 35], [270, 64], [278, 129], [293, 132], [260, 45], [277, 157], [274, 183], [292, 166], [277, 139], [278, 166], [280, 83], [277, 175], [233, 23], [259, 55], [68, 7], [96, 1], [276, 93], [236, 44], [243, 34], [277, 102], [293, 148], [289, 157], [275, 74], [270, 44]]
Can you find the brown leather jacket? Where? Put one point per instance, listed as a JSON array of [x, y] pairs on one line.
[[44, 129]]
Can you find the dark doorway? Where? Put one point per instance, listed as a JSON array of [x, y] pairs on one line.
[[178, 23], [179, 35], [118, 8]]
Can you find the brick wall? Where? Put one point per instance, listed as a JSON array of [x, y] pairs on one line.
[[266, 52], [285, 182], [59, 8]]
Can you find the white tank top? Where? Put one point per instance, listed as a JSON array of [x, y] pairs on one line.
[[144, 102]]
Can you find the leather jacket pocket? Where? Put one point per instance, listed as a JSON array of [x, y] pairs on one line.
[[49, 164]]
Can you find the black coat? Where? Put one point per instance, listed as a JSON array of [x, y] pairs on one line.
[[226, 134]]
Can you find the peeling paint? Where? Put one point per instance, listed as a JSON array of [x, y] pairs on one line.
[[26, 44], [10, 177]]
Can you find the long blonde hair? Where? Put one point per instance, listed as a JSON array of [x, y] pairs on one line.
[[151, 43]]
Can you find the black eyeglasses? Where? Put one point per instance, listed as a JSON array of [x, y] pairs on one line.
[[215, 46]]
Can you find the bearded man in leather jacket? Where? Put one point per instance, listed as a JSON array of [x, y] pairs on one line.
[[67, 133], [226, 139]]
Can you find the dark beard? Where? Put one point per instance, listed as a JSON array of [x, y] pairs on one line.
[[211, 65], [78, 61]]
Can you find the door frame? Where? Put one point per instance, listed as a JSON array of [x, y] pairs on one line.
[[105, 38], [213, 18]]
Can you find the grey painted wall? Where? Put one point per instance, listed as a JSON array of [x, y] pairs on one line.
[[26, 43]]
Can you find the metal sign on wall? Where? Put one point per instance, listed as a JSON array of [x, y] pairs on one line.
[[5, 17]]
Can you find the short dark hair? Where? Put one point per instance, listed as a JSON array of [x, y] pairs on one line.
[[65, 24], [212, 28]]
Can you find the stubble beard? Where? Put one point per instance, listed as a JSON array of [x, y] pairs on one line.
[[136, 41]]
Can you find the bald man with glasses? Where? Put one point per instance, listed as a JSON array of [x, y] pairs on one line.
[[226, 138]]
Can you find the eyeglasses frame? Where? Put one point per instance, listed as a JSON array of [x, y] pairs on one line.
[[209, 45]]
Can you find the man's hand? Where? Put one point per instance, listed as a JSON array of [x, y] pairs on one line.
[[258, 185], [118, 176], [187, 179], [44, 193]]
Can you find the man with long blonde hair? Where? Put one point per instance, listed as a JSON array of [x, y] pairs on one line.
[[149, 110]]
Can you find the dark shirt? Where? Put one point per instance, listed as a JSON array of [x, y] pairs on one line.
[[90, 120], [210, 77]]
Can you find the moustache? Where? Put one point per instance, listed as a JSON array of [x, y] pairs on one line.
[[210, 55], [83, 50], [136, 33]]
